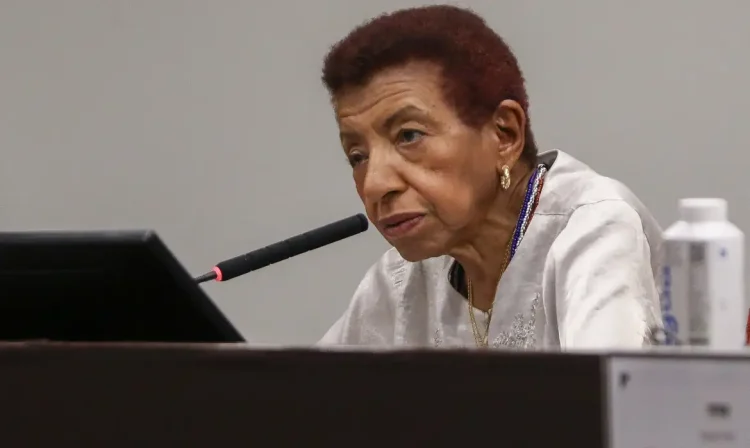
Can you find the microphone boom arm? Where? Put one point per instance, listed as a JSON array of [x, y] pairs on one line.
[[296, 245]]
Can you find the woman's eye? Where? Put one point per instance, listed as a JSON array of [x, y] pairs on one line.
[[409, 135], [355, 158]]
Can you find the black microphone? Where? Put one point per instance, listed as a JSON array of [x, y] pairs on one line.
[[260, 258]]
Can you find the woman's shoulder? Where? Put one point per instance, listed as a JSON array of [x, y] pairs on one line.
[[579, 202], [570, 184], [369, 318], [393, 270], [386, 281]]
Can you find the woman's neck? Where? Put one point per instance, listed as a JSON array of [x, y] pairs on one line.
[[485, 256]]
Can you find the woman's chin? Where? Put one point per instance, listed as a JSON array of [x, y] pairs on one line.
[[417, 252]]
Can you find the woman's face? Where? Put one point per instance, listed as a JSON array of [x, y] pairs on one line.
[[425, 178]]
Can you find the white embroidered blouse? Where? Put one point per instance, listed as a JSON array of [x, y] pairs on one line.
[[583, 277]]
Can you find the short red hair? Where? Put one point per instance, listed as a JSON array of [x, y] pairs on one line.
[[479, 68]]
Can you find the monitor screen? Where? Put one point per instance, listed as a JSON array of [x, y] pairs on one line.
[[102, 286]]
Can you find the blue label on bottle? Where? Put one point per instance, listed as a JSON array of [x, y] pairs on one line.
[[671, 326]]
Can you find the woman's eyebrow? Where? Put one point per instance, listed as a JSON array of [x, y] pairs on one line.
[[404, 114]]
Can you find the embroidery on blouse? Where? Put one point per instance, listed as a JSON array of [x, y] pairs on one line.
[[522, 332], [438, 338]]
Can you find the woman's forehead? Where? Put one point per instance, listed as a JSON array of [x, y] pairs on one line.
[[413, 86]]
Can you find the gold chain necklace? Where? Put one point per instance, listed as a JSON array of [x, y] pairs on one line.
[[482, 339], [533, 191]]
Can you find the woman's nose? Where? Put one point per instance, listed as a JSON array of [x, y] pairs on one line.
[[382, 179]]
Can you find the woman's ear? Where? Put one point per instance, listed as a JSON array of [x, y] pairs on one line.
[[510, 126]]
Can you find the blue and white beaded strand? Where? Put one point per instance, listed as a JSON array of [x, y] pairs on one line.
[[533, 191]]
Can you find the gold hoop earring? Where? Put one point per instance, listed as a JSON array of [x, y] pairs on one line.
[[505, 177]]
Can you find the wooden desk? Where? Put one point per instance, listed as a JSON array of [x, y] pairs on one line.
[[117, 395], [211, 396]]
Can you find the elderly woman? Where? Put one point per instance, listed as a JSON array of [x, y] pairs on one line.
[[494, 245]]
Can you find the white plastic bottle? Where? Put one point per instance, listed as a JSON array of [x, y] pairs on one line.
[[702, 278]]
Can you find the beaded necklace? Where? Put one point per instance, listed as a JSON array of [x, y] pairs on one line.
[[530, 202], [533, 191]]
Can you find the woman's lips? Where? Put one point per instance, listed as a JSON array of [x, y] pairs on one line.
[[397, 226]]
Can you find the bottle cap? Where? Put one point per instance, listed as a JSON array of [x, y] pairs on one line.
[[703, 209]]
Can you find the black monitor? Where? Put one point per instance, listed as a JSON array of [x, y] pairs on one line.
[[102, 287]]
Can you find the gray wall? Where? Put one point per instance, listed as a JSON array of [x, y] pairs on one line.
[[206, 120]]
